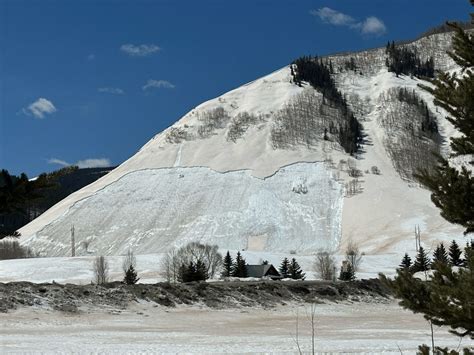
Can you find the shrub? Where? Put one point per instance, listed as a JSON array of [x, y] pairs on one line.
[[325, 266], [10, 248]]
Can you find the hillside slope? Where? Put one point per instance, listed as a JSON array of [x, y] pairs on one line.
[[218, 174]]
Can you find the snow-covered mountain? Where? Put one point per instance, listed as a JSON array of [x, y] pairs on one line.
[[221, 174]]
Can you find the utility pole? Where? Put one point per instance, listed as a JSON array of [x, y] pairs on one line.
[[417, 237], [73, 242]]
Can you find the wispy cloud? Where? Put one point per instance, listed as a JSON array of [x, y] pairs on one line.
[[86, 163], [58, 162], [114, 91], [333, 17], [158, 84], [39, 108], [370, 26], [141, 50], [373, 25], [91, 56]]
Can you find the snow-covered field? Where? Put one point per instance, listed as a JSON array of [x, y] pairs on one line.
[[355, 328], [78, 270]]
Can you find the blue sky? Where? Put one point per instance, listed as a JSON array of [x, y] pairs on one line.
[[90, 82]]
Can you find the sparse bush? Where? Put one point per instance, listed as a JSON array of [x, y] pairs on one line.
[[325, 266], [375, 170], [240, 124], [355, 173], [212, 120], [353, 187], [10, 248], [101, 270], [176, 135]]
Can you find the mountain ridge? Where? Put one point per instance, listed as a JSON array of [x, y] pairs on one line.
[[378, 227]]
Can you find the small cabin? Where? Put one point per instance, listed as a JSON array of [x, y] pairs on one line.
[[267, 271]]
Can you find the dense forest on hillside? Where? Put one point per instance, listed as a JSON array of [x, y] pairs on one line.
[[405, 60], [346, 129], [22, 200]]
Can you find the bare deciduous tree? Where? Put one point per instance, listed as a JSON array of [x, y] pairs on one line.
[[170, 266], [208, 254], [353, 255], [101, 270], [325, 265], [193, 252]]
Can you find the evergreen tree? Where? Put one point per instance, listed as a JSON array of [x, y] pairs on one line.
[[295, 271], [422, 261], [240, 266], [447, 298], [440, 255], [131, 276], [284, 268], [455, 254], [201, 271], [453, 187], [406, 263], [192, 272], [347, 273], [227, 265]]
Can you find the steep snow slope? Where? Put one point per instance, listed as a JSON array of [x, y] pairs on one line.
[[234, 192]]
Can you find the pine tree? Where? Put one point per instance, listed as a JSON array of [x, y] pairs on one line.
[[422, 261], [240, 266], [227, 265], [295, 271], [455, 254], [453, 187], [406, 263], [347, 273], [447, 298], [200, 271], [284, 268], [131, 276], [440, 255]]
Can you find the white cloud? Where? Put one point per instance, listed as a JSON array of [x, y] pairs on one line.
[[40, 108], [333, 17], [158, 84], [141, 50], [370, 26], [58, 162], [373, 25], [86, 163], [114, 91]]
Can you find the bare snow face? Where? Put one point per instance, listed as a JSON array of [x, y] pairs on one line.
[[298, 208]]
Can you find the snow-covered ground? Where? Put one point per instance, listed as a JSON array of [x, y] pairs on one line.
[[78, 270], [298, 208], [353, 328]]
